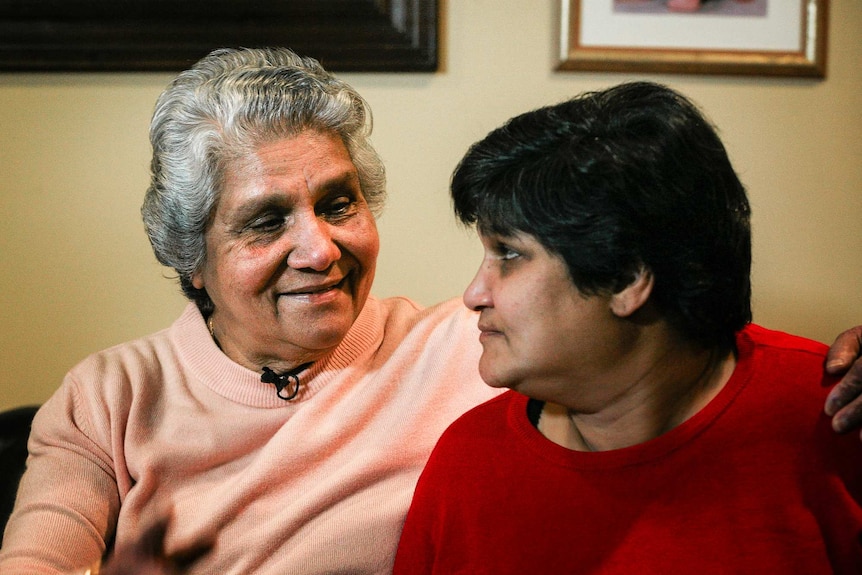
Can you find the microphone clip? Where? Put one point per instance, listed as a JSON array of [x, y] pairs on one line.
[[289, 380]]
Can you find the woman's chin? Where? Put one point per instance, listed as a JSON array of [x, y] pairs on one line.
[[494, 378]]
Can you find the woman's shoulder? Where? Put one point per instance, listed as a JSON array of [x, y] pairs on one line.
[[485, 421], [127, 358], [782, 341], [774, 354], [405, 310], [127, 368]]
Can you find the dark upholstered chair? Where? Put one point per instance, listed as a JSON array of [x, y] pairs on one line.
[[14, 431]]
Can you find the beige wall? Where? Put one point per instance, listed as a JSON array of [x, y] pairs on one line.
[[77, 273]]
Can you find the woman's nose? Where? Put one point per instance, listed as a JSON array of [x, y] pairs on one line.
[[477, 296], [313, 245]]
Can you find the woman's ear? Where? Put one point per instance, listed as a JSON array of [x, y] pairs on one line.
[[197, 279], [632, 297]]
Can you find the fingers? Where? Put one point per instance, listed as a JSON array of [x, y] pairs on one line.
[[845, 350], [848, 417], [152, 542], [844, 402], [145, 557], [185, 560]]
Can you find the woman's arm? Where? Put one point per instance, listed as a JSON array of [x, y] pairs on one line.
[[68, 500]]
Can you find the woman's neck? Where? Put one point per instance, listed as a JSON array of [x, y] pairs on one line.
[[676, 385]]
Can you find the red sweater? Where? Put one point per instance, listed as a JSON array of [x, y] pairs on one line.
[[756, 483]]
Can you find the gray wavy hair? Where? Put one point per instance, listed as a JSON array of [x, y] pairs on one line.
[[220, 110]]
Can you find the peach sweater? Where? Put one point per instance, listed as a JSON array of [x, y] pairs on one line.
[[320, 484]]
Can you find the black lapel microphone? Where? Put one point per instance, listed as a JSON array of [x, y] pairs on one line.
[[288, 379]]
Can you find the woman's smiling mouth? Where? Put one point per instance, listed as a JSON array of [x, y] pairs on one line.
[[316, 290]]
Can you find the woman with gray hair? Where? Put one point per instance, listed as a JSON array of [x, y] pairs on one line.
[[280, 424], [282, 421]]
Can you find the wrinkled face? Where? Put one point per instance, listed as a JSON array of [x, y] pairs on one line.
[[291, 252], [540, 335]]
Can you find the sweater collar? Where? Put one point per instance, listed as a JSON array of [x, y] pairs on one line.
[[209, 365]]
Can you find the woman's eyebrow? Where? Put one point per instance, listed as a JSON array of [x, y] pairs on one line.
[[346, 180], [259, 205]]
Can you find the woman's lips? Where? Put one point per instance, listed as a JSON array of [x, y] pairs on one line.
[[316, 291]]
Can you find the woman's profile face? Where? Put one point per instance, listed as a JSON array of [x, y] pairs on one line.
[[291, 252], [540, 335]]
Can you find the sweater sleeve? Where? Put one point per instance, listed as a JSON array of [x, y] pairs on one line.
[[436, 496], [68, 501], [416, 553]]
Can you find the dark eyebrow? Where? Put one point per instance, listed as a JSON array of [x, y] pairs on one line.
[[347, 180], [260, 205]]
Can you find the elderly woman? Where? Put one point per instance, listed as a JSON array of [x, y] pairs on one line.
[[280, 424], [652, 428], [283, 419]]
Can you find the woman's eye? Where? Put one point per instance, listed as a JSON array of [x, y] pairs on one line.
[[339, 207], [267, 224], [510, 254], [505, 252]]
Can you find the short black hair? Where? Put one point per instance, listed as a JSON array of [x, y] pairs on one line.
[[617, 180]]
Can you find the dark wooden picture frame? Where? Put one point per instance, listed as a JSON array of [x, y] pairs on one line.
[[170, 35]]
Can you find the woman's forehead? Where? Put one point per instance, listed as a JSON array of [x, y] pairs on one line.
[[310, 161]]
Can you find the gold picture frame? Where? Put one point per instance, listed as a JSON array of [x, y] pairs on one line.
[[790, 39]]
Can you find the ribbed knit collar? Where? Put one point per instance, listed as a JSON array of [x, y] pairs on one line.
[[203, 358]]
